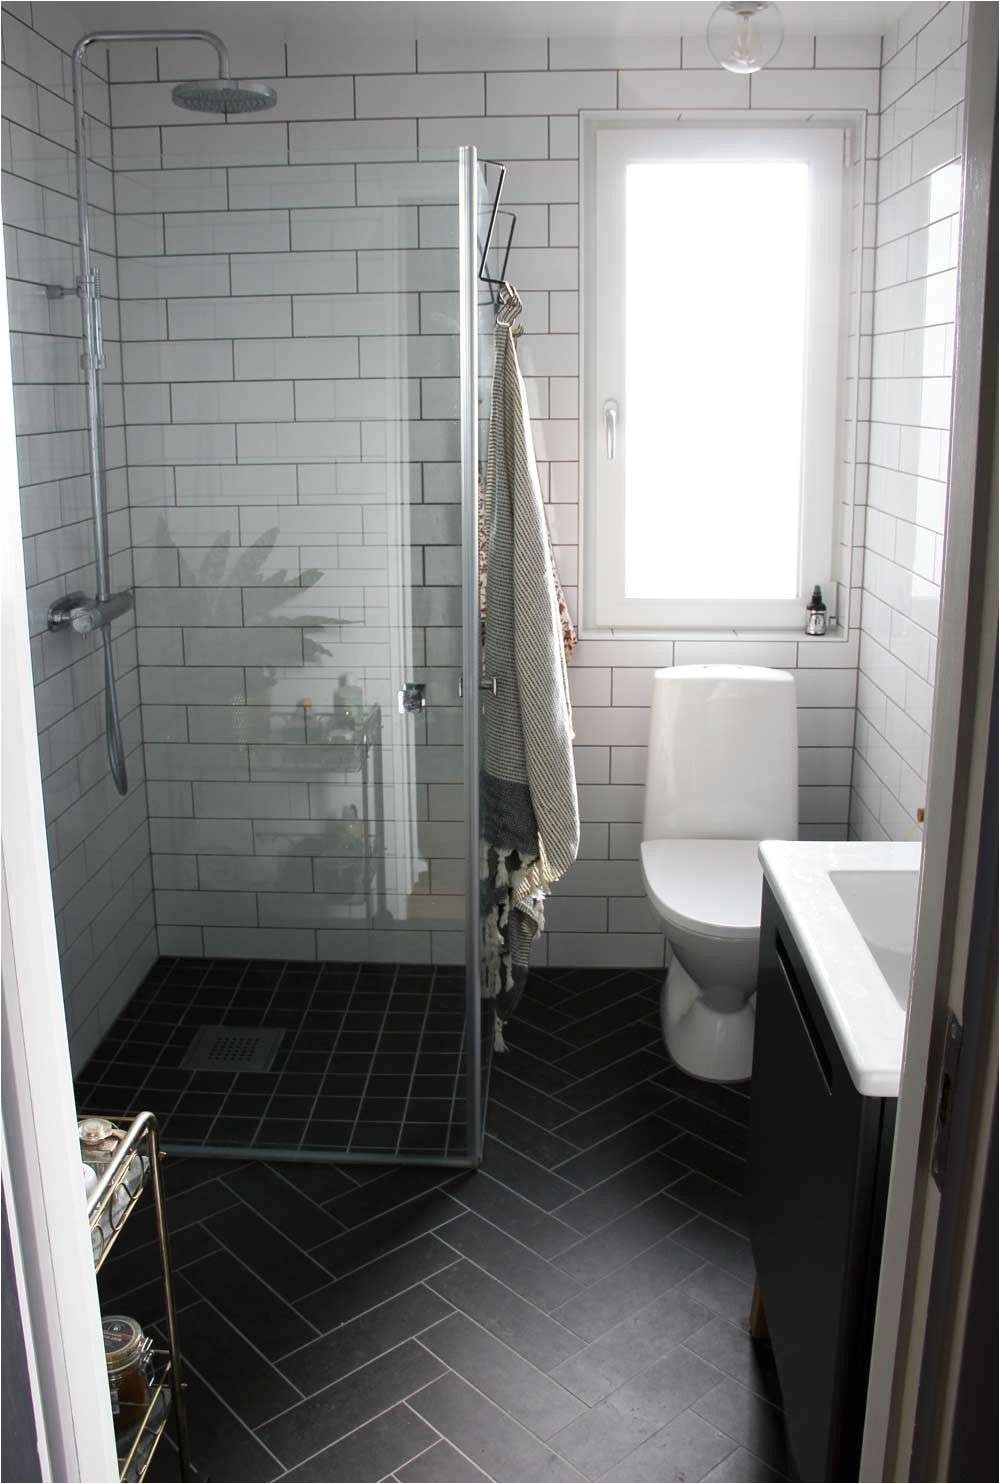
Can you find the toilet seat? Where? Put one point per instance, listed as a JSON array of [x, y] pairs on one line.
[[709, 887]]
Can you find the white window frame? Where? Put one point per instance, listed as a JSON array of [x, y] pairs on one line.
[[608, 145]]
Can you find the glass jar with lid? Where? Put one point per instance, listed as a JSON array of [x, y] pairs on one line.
[[99, 1141], [128, 1353]]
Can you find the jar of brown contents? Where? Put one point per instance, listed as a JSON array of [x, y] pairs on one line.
[[128, 1354]]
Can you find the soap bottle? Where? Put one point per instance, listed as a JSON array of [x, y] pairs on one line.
[[816, 612]]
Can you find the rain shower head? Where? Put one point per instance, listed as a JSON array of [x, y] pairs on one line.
[[224, 95]]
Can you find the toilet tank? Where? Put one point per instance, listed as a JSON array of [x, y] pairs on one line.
[[723, 758]]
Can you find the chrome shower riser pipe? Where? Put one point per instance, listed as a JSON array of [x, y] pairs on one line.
[[89, 290]]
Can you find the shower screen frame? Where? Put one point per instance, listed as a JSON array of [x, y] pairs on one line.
[[467, 687]]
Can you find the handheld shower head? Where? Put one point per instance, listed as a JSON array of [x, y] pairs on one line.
[[224, 95]]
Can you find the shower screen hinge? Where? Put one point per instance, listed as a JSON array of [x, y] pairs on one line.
[[488, 685]]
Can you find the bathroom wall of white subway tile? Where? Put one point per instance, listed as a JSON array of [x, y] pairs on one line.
[[919, 190], [98, 842], [254, 265], [254, 260]]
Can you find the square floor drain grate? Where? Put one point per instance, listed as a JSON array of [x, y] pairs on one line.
[[224, 1048]]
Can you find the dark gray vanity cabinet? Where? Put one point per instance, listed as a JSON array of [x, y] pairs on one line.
[[816, 1188]]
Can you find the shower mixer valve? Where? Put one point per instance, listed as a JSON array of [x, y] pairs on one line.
[[83, 614]]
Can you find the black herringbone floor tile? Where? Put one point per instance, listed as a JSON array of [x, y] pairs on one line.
[[612, 1246], [385, 1233], [487, 1435], [575, 1309], [611, 1080], [634, 1344], [703, 1158], [717, 1244], [267, 1251], [711, 1199], [685, 1449], [330, 1414], [377, 1281], [340, 1351], [438, 1465], [377, 1447], [522, 1220], [617, 1195], [527, 1138], [623, 1420], [297, 1215], [754, 1423], [525, 1328], [532, 1398], [249, 1385], [629, 1288], [534, 1182], [232, 1288], [588, 1129], [514, 1264]]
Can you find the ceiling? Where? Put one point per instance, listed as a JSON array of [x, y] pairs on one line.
[[471, 18]]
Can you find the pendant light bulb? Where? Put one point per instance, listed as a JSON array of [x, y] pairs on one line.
[[744, 35]]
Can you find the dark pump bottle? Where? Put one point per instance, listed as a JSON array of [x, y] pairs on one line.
[[816, 612]]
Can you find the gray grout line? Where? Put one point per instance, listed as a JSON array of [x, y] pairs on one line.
[[544, 1442], [343, 1323], [545, 1315], [247, 1341], [482, 1328], [191, 1366], [454, 1445], [262, 1281], [274, 1227], [381, 1413]]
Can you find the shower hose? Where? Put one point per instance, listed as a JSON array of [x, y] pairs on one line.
[[112, 719]]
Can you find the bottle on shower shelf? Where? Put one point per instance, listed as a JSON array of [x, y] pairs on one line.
[[816, 617]]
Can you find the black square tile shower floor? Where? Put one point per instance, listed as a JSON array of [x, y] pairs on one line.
[[577, 1308], [358, 1058]]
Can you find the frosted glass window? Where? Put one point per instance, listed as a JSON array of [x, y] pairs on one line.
[[716, 260], [720, 284]]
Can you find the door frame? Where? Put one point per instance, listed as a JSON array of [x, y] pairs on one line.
[[949, 936], [42, 1184]]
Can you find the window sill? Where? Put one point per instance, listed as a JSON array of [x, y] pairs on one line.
[[835, 635]]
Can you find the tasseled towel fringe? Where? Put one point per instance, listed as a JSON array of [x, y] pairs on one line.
[[496, 957], [512, 915]]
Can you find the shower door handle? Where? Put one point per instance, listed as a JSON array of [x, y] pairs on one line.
[[611, 427]]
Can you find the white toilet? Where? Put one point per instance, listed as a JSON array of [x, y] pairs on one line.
[[721, 775]]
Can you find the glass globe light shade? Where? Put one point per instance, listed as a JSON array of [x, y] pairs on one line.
[[744, 35]]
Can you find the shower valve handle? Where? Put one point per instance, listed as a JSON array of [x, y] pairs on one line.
[[83, 614]]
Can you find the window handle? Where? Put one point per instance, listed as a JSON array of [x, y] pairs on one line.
[[611, 426]]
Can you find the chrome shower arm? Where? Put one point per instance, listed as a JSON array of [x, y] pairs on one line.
[[209, 37]]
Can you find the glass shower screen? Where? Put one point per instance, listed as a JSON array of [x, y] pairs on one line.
[[314, 760]]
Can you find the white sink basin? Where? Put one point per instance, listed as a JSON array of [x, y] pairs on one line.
[[883, 905], [852, 909]]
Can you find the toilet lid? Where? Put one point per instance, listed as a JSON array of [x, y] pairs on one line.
[[712, 887]]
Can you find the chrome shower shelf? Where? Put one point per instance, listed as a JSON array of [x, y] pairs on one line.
[[142, 1144]]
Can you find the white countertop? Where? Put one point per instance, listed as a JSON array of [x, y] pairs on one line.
[[866, 1018]]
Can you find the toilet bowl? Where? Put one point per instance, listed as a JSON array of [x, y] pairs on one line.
[[722, 775]]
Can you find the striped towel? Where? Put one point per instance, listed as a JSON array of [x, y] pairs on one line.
[[530, 822]]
